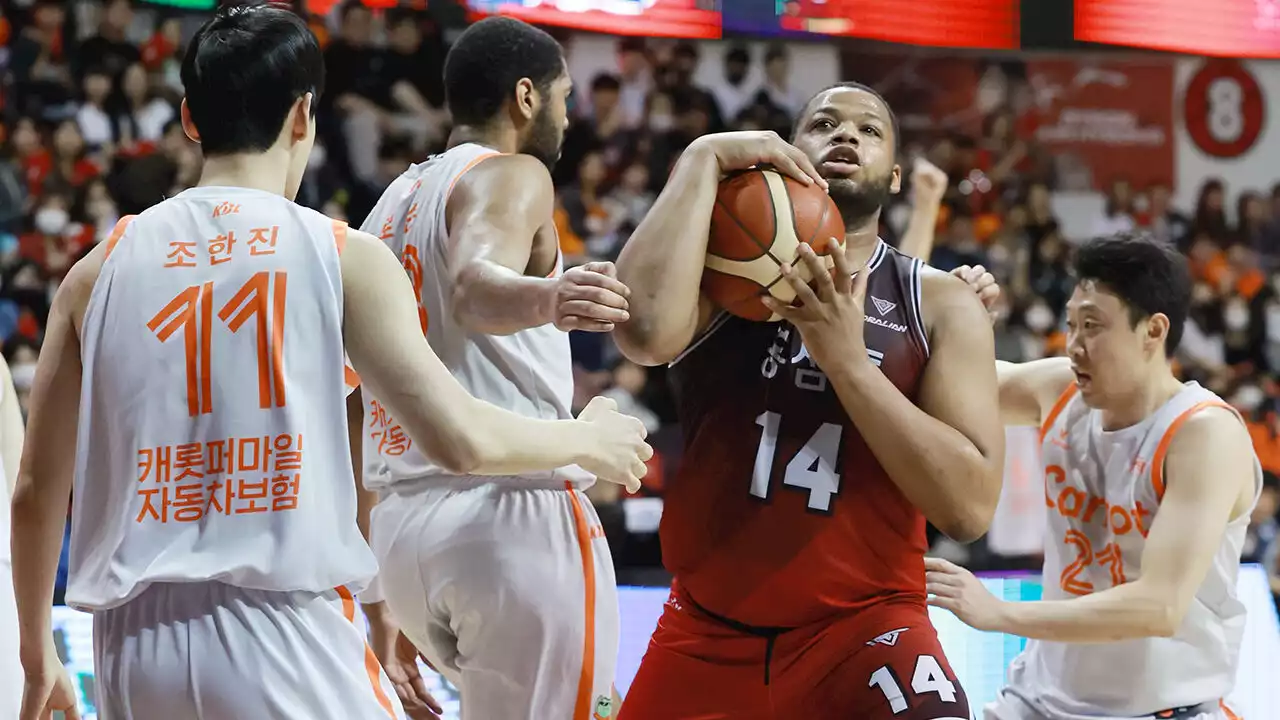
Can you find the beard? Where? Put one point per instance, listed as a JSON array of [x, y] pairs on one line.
[[545, 139], [858, 201]]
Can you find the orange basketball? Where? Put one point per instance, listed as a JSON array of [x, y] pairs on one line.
[[760, 219]]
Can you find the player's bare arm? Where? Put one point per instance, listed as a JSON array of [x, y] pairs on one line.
[[11, 429], [1209, 477], [928, 186], [43, 491], [1029, 391], [662, 262], [946, 454], [502, 248], [465, 435]]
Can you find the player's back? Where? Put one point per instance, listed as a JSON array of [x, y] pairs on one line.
[[211, 439], [1102, 491], [529, 372], [780, 514]]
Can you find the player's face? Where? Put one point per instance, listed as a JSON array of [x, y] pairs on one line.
[[848, 135], [1109, 353], [546, 134]]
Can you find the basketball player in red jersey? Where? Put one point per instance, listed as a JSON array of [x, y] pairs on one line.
[[816, 448]]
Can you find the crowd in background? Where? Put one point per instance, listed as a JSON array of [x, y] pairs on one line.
[[89, 132]]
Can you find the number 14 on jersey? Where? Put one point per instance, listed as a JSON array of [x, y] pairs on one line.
[[812, 468]]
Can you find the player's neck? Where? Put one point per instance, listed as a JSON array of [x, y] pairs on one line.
[[501, 139], [861, 238], [1159, 386], [268, 171]]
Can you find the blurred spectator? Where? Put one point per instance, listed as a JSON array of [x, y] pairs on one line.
[[635, 80], [777, 81], [1211, 216], [39, 63], [1117, 214], [110, 48], [1163, 220], [143, 114], [734, 92], [94, 117]]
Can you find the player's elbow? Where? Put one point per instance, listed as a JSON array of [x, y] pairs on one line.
[[461, 456], [638, 344], [970, 514], [1162, 609]]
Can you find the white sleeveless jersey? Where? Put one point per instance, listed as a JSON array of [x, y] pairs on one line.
[[212, 436], [5, 510], [1103, 491], [529, 372]]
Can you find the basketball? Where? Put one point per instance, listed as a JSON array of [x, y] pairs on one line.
[[760, 219]]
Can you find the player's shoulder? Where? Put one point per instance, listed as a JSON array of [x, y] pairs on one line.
[[945, 298], [1210, 424], [507, 169]]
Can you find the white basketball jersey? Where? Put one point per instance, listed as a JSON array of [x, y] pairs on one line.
[[1103, 491], [529, 372], [212, 439]]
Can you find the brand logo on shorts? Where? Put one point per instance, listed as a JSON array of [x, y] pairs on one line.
[[889, 639], [604, 708]]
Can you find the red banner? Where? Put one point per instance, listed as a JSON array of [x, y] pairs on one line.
[[939, 23], [665, 18], [1104, 121], [1234, 28]]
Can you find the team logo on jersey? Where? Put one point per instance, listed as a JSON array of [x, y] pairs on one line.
[[888, 639], [884, 307], [604, 708]]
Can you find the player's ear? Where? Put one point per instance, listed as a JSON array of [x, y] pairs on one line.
[[526, 100], [895, 181], [301, 118], [1157, 330], [188, 126]]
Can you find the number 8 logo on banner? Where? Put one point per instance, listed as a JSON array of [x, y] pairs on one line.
[[1223, 108]]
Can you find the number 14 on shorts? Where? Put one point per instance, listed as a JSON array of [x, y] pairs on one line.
[[928, 677]]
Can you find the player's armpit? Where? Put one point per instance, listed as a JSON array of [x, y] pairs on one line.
[[662, 264], [1208, 481], [1029, 391], [47, 469], [493, 213], [960, 389]]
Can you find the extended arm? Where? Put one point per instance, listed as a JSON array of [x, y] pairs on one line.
[[947, 453], [463, 434], [493, 213], [1210, 476], [1028, 391], [47, 469], [928, 187]]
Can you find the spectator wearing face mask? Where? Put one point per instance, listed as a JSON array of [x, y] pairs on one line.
[[55, 240]]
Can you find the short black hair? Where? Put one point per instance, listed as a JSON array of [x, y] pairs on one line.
[[605, 82], [851, 85], [489, 58], [1147, 275], [244, 70]]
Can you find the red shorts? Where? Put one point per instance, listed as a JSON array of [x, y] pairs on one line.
[[883, 663]]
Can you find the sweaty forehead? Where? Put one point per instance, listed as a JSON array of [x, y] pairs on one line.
[[843, 101]]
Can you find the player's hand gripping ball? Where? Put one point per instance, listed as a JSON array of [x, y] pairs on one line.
[[761, 218]]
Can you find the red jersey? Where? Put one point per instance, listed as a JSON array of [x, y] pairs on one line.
[[780, 514]]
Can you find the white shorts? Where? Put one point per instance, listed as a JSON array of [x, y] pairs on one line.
[[10, 667], [510, 593], [217, 652]]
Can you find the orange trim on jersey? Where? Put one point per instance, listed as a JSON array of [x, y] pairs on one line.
[[340, 235], [117, 232], [1057, 409], [586, 677], [1228, 711], [1157, 459], [350, 377], [371, 664], [467, 168], [555, 265]]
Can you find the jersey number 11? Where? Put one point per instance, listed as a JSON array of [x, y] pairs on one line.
[[261, 297]]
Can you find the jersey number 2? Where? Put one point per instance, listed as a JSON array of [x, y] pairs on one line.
[[813, 468], [262, 297]]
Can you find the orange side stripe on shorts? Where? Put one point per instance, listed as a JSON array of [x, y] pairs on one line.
[[340, 235], [586, 678], [371, 665], [1057, 409], [117, 232], [1157, 459]]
